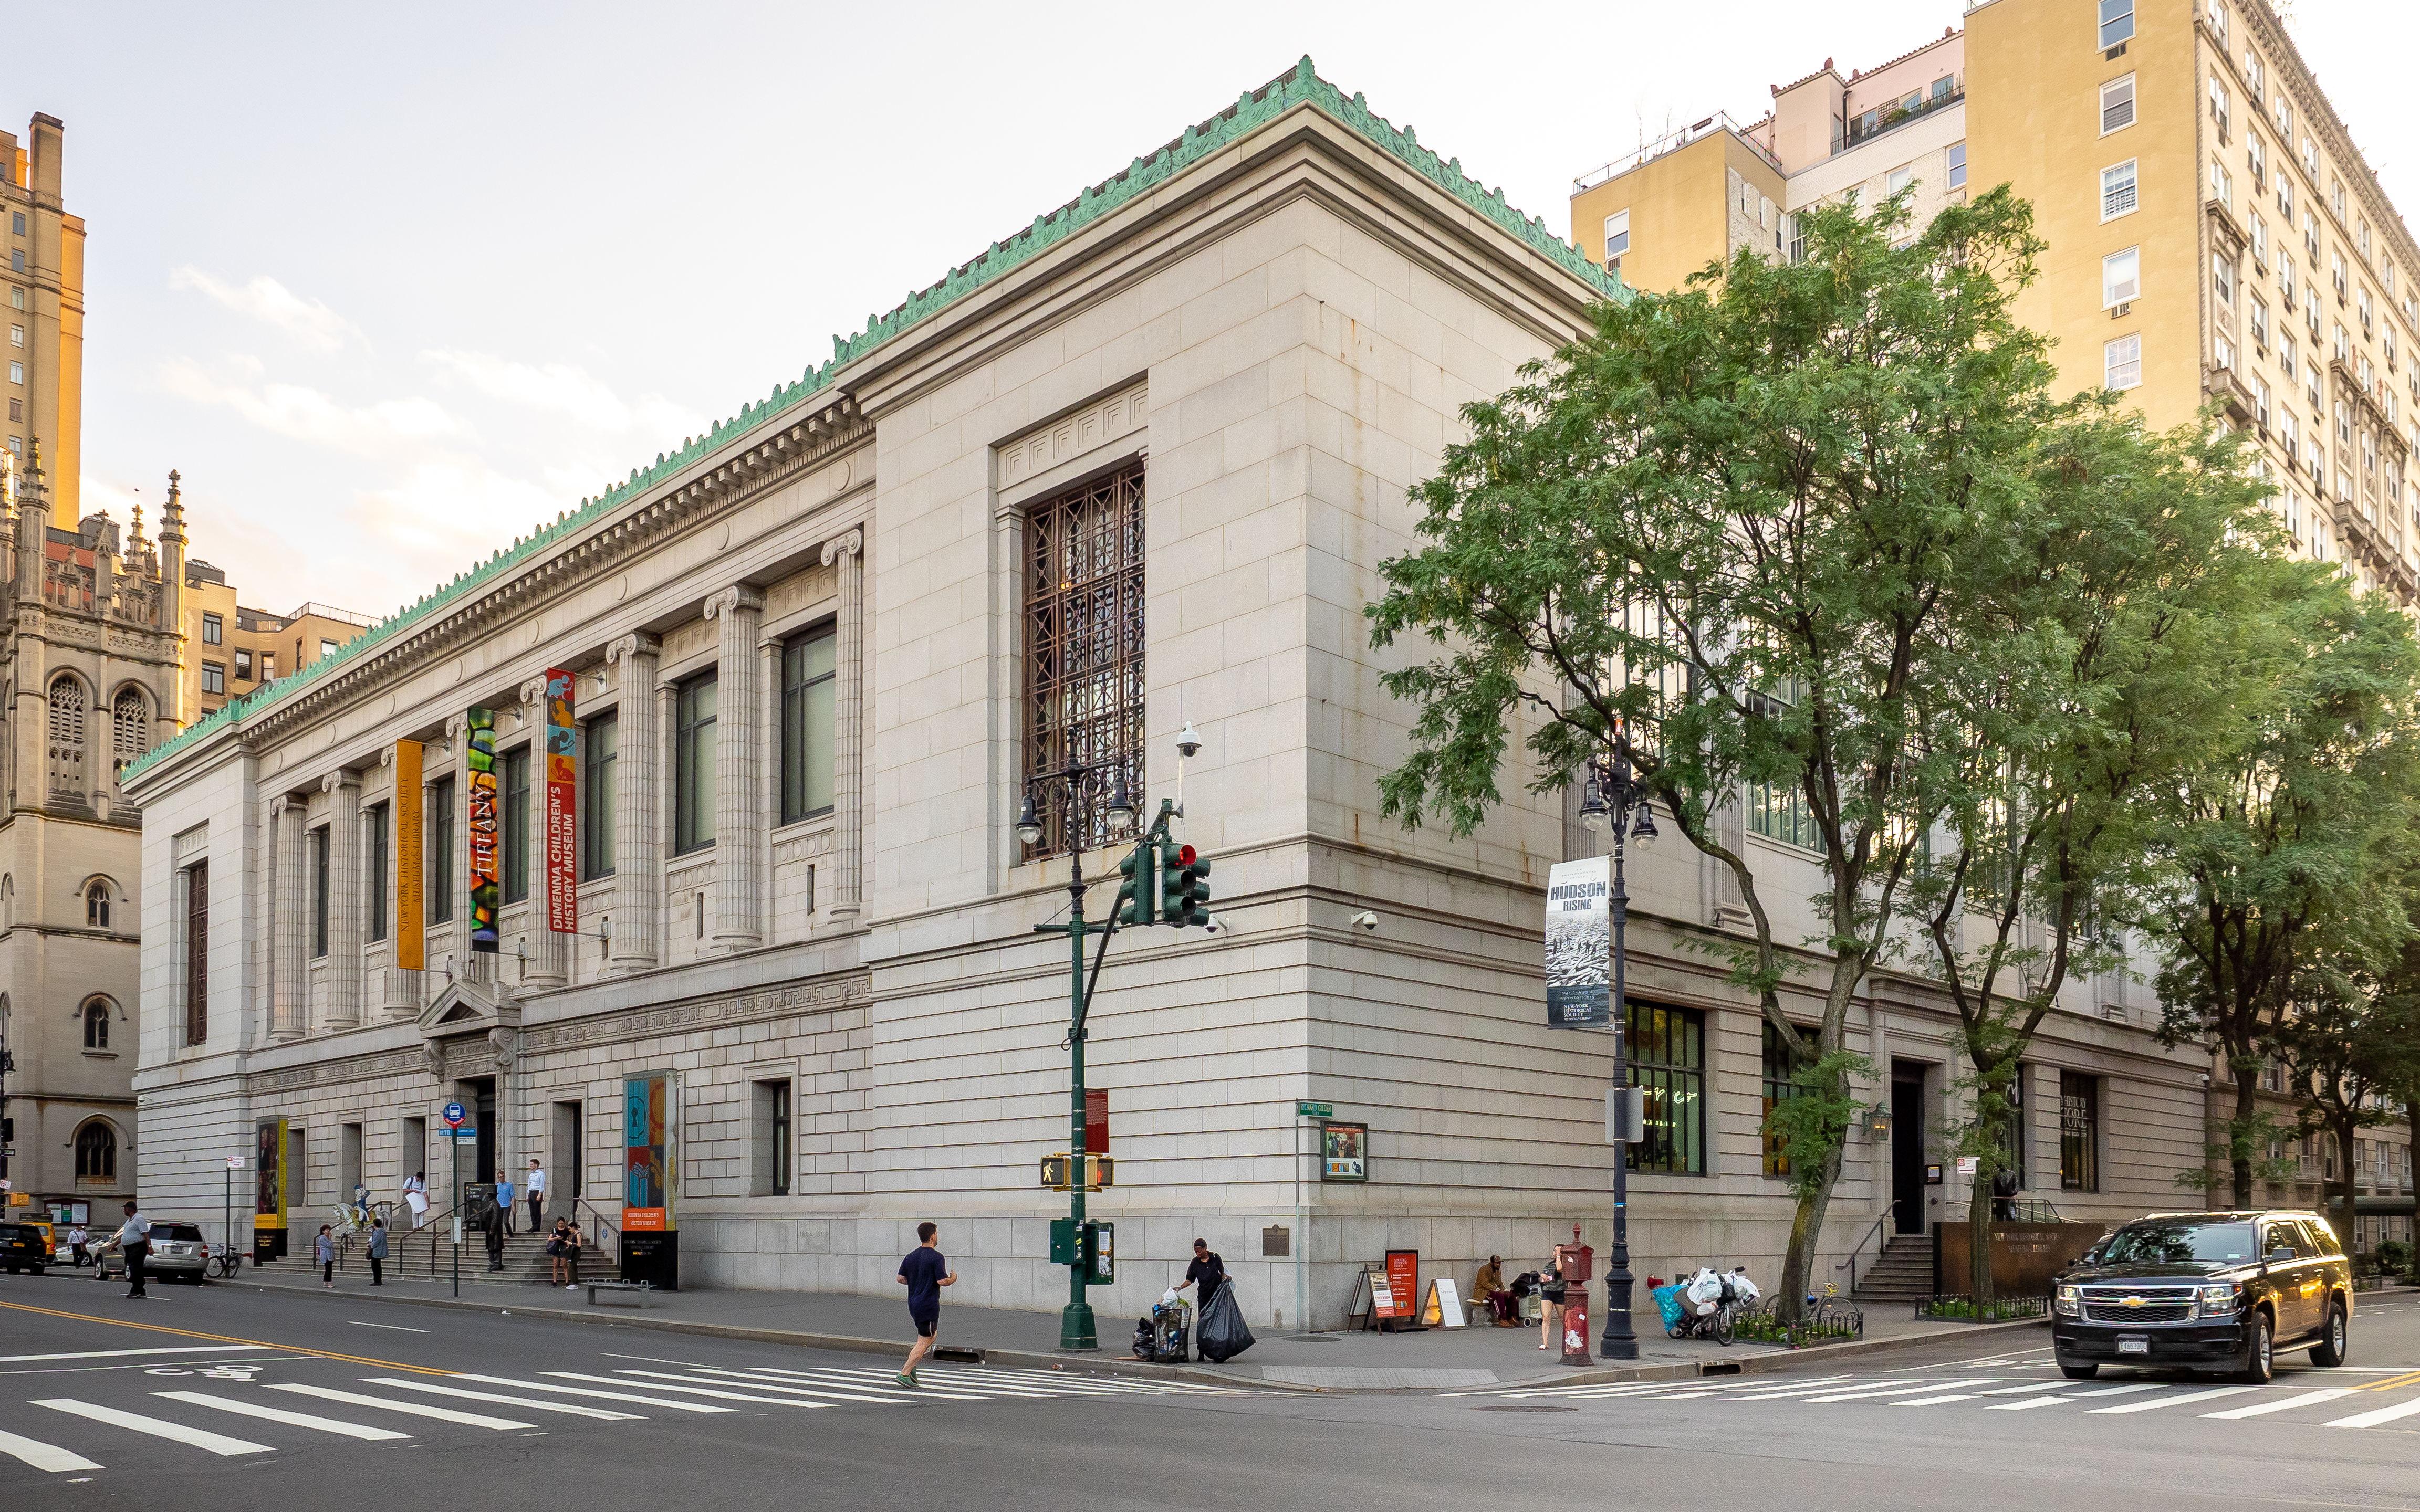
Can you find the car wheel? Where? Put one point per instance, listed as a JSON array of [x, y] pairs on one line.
[[2335, 1345], [2260, 1360], [2078, 1372]]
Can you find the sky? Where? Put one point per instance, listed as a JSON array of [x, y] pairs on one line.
[[391, 285]]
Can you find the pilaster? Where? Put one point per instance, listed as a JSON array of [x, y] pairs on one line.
[[742, 830], [286, 988], [638, 830], [345, 883], [847, 554]]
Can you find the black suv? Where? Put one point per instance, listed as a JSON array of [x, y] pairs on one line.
[[21, 1248], [2206, 1291]]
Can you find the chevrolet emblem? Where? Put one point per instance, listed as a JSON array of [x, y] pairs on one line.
[[2133, 1302]]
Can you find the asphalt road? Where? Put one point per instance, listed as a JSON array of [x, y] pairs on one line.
[[245, 1398]]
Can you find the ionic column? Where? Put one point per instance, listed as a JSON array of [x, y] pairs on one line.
[[286, 977], [849, 725], [638, 830], [742, 830], [550, 954], [345, 883]]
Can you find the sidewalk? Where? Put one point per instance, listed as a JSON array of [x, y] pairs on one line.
[[1439, 1359]]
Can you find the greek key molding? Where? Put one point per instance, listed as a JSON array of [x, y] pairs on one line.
[[348, 1069], [638, 1023]]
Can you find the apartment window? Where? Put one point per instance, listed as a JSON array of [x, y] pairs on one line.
[[2121, 362], [2260, 400], [268, 665], [2344, 343], [2286, 200], [440, 851], [2255, 159], [2311, 156], [517, 825], [1898, 179], [318, 892], [693, 765], [809, 688], [2336, 271], [774, 1145], [2311, 236], [2121, 277], [95, 1025], [2218, 19], [327, 648], [1668, 1060], [2218, 104], [2222, 184], [2260, 241], [1780, 1087], [2221, 277], [16, 336], [1956, 164], [214, 629], [2222, 352], [597, 745], [1617, 237], [374, 882], [197, 953], [1780, 813], [2337, 197], [2252, 74], [2079, 1132], [2118, 189], [214, 677], [1083, 647], [2285, 122], [2116, 21], [17, 222], [2259, 324], [243, 666]]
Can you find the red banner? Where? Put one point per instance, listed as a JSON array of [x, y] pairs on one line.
[[562, 807]]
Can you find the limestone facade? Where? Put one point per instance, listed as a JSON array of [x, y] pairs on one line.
[[1275, 319]]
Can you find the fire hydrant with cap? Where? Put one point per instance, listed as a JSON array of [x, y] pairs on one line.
[[1576, 1262]]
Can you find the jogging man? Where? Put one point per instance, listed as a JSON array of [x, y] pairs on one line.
[[923, 1272]]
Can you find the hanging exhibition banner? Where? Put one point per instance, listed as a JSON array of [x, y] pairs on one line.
[[269, 1191], [651, 1179], [562, 807], [485, 893], [1579, 943], [411, 916]]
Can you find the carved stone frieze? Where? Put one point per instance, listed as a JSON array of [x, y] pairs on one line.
[[635, 1023]]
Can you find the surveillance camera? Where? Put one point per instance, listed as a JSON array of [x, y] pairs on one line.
[[1366, 920], [1188, 745], [1218, 926]]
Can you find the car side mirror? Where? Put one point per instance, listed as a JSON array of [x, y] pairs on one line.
[[2279, 1257]]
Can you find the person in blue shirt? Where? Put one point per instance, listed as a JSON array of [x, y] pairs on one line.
[[504, 1197], [923, 1272]]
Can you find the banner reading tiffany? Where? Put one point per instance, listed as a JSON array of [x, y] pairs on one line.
[[562, 809], [1579, 943], [486, 895]]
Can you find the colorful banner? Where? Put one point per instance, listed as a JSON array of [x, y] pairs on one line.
[[486, 894], [411, 916], [650, 1151], [268, 1189], [562, 807], [1579, 943]]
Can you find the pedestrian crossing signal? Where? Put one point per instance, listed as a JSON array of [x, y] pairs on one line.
[[1134, 893]]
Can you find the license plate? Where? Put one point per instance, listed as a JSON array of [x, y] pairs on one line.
[[2133, 1346]]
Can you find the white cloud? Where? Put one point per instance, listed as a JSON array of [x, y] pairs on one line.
[[307, 414], [563, 389], [271, 303]]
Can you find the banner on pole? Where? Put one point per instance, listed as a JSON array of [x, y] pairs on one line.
[[562, 807], [1579, 943], [485, 893], [410, 916]]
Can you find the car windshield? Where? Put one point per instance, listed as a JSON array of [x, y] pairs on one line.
[[186, 1233], [2179, 1242]]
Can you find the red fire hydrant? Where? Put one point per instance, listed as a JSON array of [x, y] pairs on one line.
[[1577, 1263]]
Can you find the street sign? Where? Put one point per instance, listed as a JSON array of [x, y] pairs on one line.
[[456, 1115], [1315, 1110], [235, 1163], [462, 1131]]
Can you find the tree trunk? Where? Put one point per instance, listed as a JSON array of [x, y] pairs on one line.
[[2247, 1108], [2341, 1190], [1978, 1243], [1805, 1225]]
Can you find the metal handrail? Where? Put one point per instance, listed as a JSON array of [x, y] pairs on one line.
[[604, 1227], [1674, 141], [436, 1230], [1850, 1264]]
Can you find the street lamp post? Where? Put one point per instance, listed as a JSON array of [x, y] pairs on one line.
[[1076, 788], [1612, 798]]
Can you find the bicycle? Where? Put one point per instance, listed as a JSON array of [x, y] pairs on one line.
[[224, 1264]]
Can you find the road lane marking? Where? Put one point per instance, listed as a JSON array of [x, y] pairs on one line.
[[2385, 1415], [2115, 1391], [2029, 1403], [217, 1443], [2305, 1400], [847, 1392], [1932, 1401], [2156, 1403], [2413, 1379], [224, 1338], [44, 1456], [465, 1394], [693, 1391], [584, 1390], [2014, 1391], [1863, 1395], [112, 1354], [388, 1404], [279, 1415], [398, 1328]]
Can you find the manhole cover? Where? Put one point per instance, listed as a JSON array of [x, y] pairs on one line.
[[1525, 1407]]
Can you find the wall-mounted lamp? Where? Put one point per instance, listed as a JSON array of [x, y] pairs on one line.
[[1877, 1121]]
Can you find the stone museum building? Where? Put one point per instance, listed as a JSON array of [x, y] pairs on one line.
[[1128, 472]]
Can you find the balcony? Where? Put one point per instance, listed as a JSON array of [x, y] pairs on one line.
[[2226, 384], [1864, 128]]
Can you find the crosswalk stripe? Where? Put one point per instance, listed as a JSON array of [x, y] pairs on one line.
[[883, 1387], [279, 1415], [464, 1394], [2385, 1415], [693, 1391], [2015, 1391], [2304, 1399], [158, 1427], [2030, 1404], [2159, 1402], [585, 1391], [44, 1456], [851, 1393], [1836, 1384], [388, 1404], [1866, 1395], [2113, 1390], [1933, 1401]]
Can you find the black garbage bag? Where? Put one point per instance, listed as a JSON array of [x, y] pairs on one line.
[[1142, 1339], [1221, 1334]]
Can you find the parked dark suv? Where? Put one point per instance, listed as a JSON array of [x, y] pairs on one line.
[[2206, 1291]]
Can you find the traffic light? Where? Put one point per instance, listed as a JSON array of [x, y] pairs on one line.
[[1193, 889], [1134, 893], [1173, 859]]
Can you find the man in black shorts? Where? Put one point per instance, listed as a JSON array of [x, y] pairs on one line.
[[923, 1272]]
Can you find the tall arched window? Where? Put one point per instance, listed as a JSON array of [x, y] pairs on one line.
[[96, 905], [67, 739], [130, 728], [95, 1025], [8, 902], [96, 1152]]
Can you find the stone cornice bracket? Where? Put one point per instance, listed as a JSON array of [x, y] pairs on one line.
[[637, 643], [455, 725], [533, 692], [386, 757], [846, 546], [737, 596], [503, 1044], [343, 776], [432, 1053]]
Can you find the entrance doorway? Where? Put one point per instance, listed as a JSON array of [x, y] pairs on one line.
[[478, 1097], [565, 1156], [1907, 1147]]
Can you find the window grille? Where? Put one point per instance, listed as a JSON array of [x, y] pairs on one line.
[[1084, 649]]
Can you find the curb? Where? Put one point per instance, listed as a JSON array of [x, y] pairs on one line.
[[1756, 1365]]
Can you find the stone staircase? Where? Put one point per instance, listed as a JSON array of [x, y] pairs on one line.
[[526, 1262], [1902, 1274]]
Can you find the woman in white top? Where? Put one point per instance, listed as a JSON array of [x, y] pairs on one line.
[[415, 1197]]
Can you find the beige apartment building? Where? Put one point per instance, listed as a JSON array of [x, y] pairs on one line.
[[1131, 469], [234, 651], [2215, 236], [44, 279]]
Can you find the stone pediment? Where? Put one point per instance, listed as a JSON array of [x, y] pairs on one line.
[[468, 1006]]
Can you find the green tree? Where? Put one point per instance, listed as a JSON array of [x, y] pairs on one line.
[[2278, 851], [1720, 537], [2351, 1051]]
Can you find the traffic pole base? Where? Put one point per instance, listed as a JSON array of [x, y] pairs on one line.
[[1076, 1331]]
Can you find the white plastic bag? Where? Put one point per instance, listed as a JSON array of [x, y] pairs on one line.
[[1168, 1296], [1743, 1287]]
